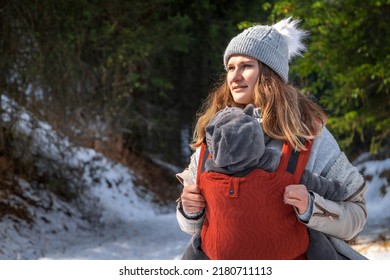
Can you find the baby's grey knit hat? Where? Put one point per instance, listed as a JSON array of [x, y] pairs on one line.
[[273, 45], [235, 138]]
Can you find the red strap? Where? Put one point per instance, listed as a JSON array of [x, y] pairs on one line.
[[200, 162], [293, 161], [302, 161], [286, 151]]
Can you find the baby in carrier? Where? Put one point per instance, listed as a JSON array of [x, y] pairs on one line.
[[236, 143]]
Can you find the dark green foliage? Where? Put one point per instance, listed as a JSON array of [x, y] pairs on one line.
[[346, 67]]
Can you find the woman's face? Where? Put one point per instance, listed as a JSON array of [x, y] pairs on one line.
[[242, 75]]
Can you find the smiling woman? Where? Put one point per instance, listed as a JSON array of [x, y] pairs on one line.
[[257, 64]]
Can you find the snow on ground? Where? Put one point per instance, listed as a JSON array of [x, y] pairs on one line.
[[154, 238], [114, 219]]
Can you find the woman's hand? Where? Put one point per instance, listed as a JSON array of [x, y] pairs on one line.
[[192, 200], [298, 196]]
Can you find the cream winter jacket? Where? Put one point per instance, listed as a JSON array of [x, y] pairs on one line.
[[343, 220]]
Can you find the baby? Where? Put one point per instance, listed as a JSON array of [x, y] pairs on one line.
[[236, 141]]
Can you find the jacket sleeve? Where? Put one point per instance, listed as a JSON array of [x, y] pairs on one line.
[[344, 219], [189, 223]]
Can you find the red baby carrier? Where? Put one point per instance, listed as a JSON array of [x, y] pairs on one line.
[[246, 217]]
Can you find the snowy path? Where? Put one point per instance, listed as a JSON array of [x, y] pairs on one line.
[[155, 238]]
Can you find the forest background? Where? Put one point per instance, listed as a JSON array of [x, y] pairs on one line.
[[126, 78]]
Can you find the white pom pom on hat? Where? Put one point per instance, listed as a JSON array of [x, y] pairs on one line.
[[293, 36], [273, 45]]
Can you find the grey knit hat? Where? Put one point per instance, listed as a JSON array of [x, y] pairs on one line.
[[273, 45]]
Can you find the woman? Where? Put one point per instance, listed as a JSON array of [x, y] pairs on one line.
[[257, 62]]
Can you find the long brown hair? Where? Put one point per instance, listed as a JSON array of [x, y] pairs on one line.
[[287, 114]]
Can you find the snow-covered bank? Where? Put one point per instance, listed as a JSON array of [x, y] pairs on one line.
[[106, 195]]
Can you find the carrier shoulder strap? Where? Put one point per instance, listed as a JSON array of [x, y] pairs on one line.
[[204, 154], [293, 161]]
